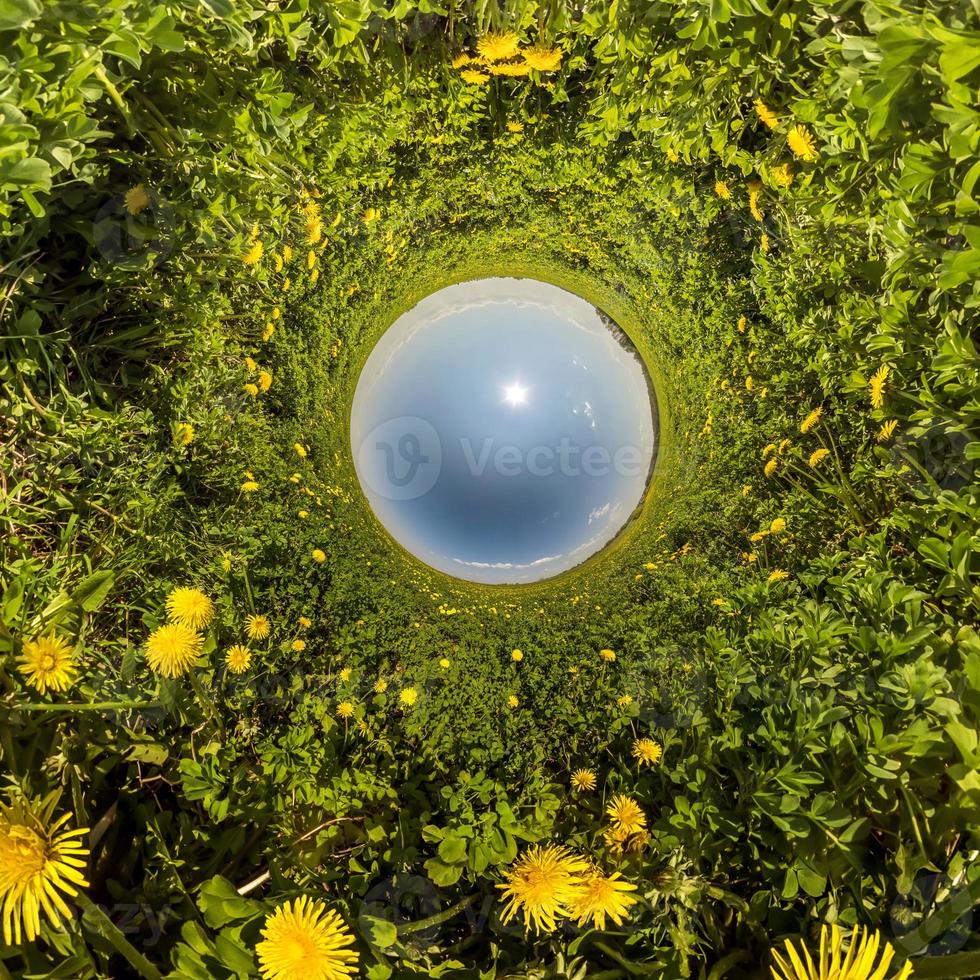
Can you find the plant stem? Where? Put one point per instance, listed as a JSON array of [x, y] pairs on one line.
[[89, 706]]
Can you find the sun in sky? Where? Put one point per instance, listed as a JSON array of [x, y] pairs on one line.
[[515, 394]]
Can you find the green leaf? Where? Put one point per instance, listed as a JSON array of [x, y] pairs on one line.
[[91, 592]]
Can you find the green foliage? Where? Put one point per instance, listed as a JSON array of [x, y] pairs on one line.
[[814, 684]]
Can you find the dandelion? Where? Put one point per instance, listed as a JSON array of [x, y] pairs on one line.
[[380, 686], [254, 254], [777, 525], [516, 655], [647, 752], [811, 420], [277, 261], [298, 646], [771, 466], [749, 383], [318, 555], [303, 514], [310, 259], [39, 860], [542, 884], [444, 663], [818, 456], [48, 663], [257, 627], [860, 963], [345, 709], [136, 199], [249, 486], [190, 607], [583, 780], [300, 450], [226, 562], [511, 69], [672, 155], [303, 940], [305, 622], [497, 46], [608, 655], [345, 674], [625, 814], [764, 243], [777, 575], [602, 896], [765, 114], [251, 389], [615, 838], [755, 190], [876, 386], [183, 433], [265, 380], [312, 232], [270, 329], [473, 77], [408, 696], [768, 450], [515, 127], [625, 701], [172, 649], [542, 59], [722, 190], [512, 701], [287, 253], [238, 659], [784, 445], [250, 364], [886, 431], [461, 60], [802, 143], [782, 175]]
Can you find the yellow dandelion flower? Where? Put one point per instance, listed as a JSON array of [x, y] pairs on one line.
[[818, 456], [190, 607], [771, 466], [782, 175], [303, 513], [318, 555], [257, 627], [876, 386], [251, 389], [608, 655], [408, 696], [784, 444], [647, 752], [861, 962], [287, 253], [749, 383], [541, 58], [238, 659], [312, 231], [602, 896], [345, 709], [758, 536], [444, 663], [583, 780], [768, 450], [542, 884], [300, 450], [802, 143], [461, 60], [48, 663], [380, 686], [310, 259], [253, 255], [777, 525], [497, 46], [172, 649], [510, 69], [40, 862], [886, 431], [277, 261], [265, 380], [249, 486], [298, 646], [303, 940], [777, 575], [625, 700], [512, 701], [305, 622], [765, 114], [515, 127], [672, 155], [516, 655], [722, 190], [250, 364], [755, 191], [314, 275], [136, 199], [741, 325], [183, 433], [345, 674], [625, 814], [270, 329], [764, 243], [811, 420], [473, 77]]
